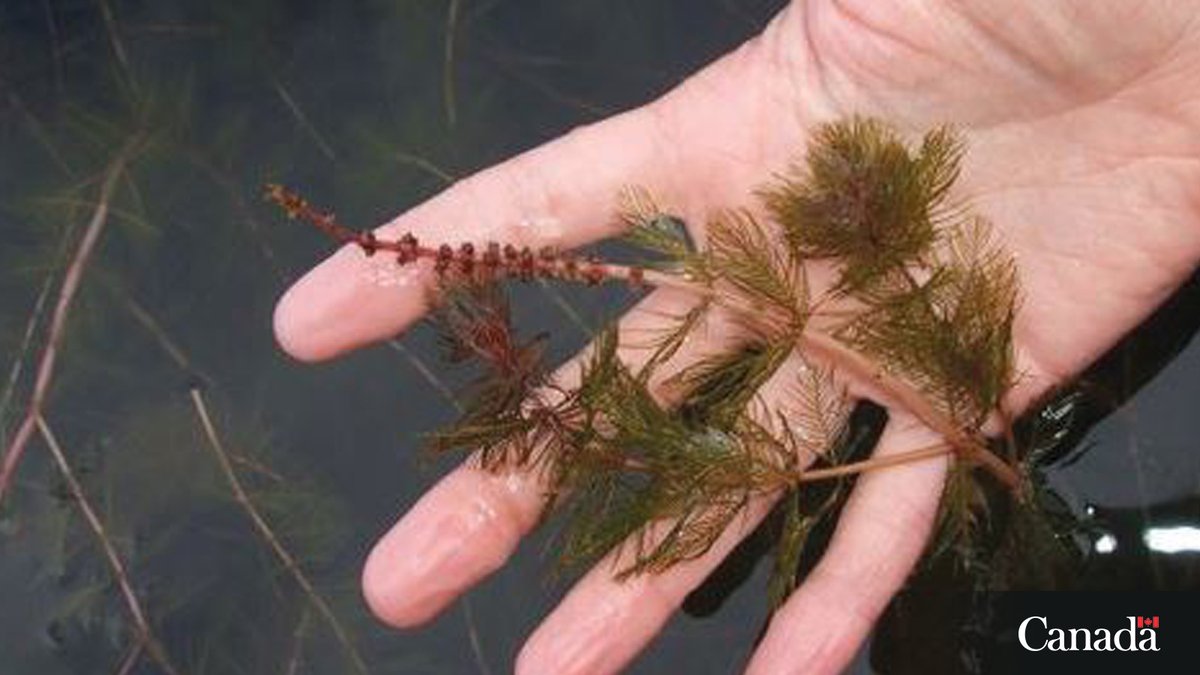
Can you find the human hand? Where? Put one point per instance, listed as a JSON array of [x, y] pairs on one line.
[[1083, 124]]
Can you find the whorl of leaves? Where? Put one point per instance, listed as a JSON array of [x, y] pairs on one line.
[[474, 324], [950, 335], [764, 276], [721, 385], [659, 486], [864, 198]]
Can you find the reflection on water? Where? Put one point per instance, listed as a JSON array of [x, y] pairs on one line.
[[1158, 542], [1176, 539], [365, 107]]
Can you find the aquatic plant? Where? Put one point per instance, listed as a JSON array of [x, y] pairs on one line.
[[920, 309]]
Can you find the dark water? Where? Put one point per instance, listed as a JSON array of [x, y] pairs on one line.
[[358, 104]]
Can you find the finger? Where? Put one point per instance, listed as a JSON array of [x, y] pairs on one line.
[[468, 525], [603, 623], [879, 538], [560, 194], [699, 147]]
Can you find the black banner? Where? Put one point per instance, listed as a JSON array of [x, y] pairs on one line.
[[1039, 632]]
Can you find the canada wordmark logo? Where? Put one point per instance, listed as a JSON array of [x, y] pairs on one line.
[[1141, 634]]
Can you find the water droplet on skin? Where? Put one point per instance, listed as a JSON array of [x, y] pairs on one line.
[[544, 228], [385, 273], [481, 514]]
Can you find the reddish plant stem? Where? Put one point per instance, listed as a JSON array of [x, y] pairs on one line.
[[968, 444], [524, 265], [487, 262], [62, 309], [132, 656], [927, 452], [242, 497], [120, 574]]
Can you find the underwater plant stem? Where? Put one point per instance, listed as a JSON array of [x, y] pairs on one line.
[[304, 121], [449, 102], [221, 178], [132, 656], [426, 373], [35, 318], [120, 574], [117, 44], [156, 331], [265, 531], [62, 309], [935, 450], [473, 635], [913, 400], [298, 635]]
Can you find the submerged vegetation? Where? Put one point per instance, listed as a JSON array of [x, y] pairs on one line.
[[920, 311]]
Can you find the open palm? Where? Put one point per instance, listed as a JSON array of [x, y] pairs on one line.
[[1084, 129]]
